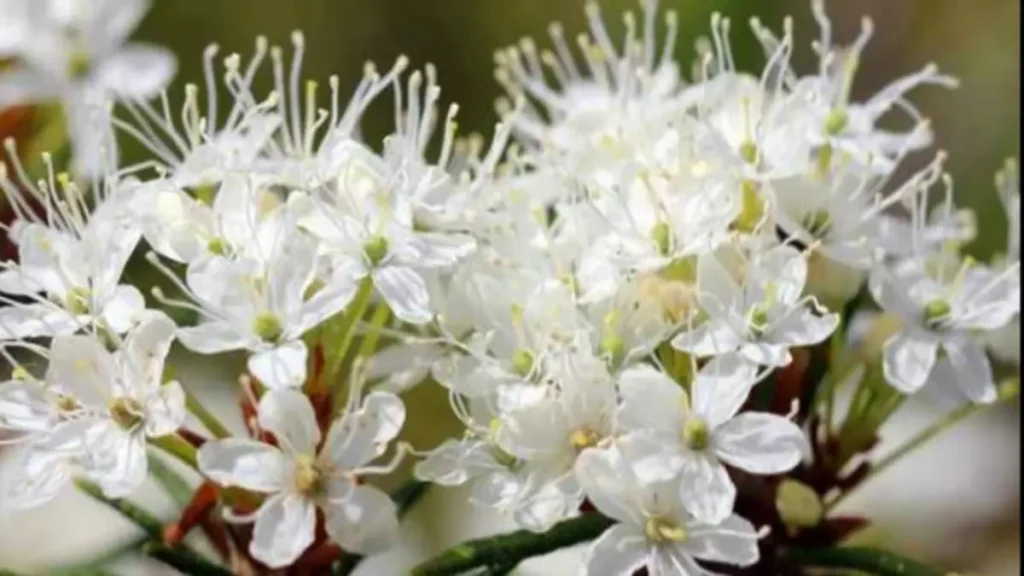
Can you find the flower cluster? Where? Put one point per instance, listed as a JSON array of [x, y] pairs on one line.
[[602, 291]]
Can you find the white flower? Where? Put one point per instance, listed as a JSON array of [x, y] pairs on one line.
[[308, 149], [674, 437], [207, 146], [76, 51], [70, 261], [1004, 343], [939, 307], [653, 529], [104, 405], [265, 307], [836, 123], [240, 222], [366, 227], [588, 116], [298, 478], [550, 433], [762, 318]]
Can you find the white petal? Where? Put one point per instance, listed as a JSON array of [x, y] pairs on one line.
[[733, 542], [34, 320], [289, 415], [19, 86], [364, 523], [116, 461], [972, 369], [803, 327], [766, 353], [24, 407], [34, 480], [137, 71], [245, 463], [454, 462], [405, 293], [908, 358], [654, 457], [673, 559], [401, 366], [721, 388], [285, 527], [650, 400], [212, 338], [620, 551], [82, 366], [363, 435], [760, 443], [121, 309], [17, 281], [708, 339], [145, 350], [431, 250], [608, 482], [706, 490], [281, 367], [165, 409]]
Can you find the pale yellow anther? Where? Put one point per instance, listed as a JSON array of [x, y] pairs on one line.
[[660, 530]]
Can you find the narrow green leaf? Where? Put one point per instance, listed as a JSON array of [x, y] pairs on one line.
[[141, 517], [182, 561], [505, 551], [182, 555], [870, 560]]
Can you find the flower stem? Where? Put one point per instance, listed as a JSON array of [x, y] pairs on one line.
[[507, 550], [177, 447], [379, 318], [208, 420], [945, 423], [345, 334]]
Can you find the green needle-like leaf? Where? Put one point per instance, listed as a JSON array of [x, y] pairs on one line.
[[869, 560]]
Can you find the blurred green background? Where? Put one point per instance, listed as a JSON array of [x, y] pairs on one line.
[[979, 42]]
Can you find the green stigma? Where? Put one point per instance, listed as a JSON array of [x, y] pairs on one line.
[[376, 248], [757, 322], [522, 362], [218, 246], [936, 311], [818, 223], [662, 237], [79, 64], [267, 327], [77, 300], [751, 208], [748, 151], [696, 433], [836, 121]]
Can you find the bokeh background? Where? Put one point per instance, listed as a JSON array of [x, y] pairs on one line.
[[955, 503]]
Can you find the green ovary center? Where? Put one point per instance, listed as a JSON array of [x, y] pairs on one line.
[[696, 434], [267, 327], [936, 311], [522, 362], [77, 300], [79, 64], [376, 248]]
